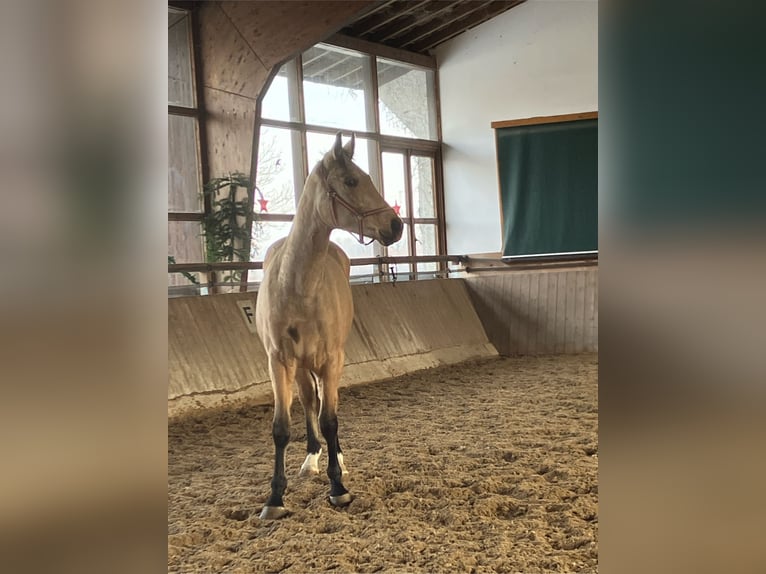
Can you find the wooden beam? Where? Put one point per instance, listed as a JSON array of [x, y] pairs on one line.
[[459, 12], [423, 26], [545, 120], [432, 27], [421, 60], [493, 265], [532, 265], [182, 111], [186, 216], [246, 265], [405, 20], [379, 16], [473, 18]]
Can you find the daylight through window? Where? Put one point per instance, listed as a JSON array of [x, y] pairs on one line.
[[185, 205], [391, 106]]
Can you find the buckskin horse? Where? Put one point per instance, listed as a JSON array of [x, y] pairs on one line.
[[304, 310]]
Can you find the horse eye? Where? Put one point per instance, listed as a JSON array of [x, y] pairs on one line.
[[350, 182]]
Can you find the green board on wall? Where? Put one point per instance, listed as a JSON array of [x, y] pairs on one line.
[[548, 176]]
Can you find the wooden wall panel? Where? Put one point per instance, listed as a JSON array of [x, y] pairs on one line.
[[278, 30], [591, 312], [539, 312], [213, 357], [229, 127], [228, 62]]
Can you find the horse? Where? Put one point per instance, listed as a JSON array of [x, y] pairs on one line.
[[304, 310]]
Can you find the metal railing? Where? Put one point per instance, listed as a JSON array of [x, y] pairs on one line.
[[387, 270]]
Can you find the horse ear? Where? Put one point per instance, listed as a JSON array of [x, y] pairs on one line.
[[337, 150], [349, 147]]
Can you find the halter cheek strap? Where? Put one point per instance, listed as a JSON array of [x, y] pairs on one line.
[[336, 198]]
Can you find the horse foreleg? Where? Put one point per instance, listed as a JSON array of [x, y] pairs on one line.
[[328, 422], [281, 381], [308, 392]]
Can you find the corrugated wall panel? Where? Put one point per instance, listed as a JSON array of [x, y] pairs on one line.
[[214, 358], [539, 312]]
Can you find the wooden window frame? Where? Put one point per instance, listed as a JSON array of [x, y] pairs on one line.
[[196, 112], [406, 146]]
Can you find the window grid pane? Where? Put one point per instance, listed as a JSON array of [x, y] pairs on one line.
[[185, 243], [402, 249], [422, 186], [279, 170], [280, 101], [393, 181], [180, 82], [406, 100], [425, 242], [336, 87], [184, 193]]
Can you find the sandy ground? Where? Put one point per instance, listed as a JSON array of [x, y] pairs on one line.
[[486, 466]]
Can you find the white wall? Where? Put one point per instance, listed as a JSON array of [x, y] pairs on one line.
[[537, 59]]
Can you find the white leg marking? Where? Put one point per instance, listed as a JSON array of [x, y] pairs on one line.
[[311, 464], [343, 468]]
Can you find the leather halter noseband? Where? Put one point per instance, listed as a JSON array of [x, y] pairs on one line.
[[336, 198]]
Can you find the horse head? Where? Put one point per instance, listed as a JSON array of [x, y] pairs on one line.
[[353, 202]]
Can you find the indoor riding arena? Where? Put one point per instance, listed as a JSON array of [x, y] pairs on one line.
[[468, 399], [490, 466]]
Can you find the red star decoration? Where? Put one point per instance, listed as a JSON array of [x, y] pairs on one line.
[[396, 207], [263, 203]]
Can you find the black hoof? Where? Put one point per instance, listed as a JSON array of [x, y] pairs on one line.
[[342, 499], [273, 512]]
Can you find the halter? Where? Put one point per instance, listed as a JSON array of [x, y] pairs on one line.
[[336, 198]]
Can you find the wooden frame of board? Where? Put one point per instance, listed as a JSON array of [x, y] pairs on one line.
[[539, 120]]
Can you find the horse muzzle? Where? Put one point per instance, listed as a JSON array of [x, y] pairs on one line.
[[393, 234]]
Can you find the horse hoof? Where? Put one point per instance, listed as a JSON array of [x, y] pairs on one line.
[[273, 512], [342, 500]]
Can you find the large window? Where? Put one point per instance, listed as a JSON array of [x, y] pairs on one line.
[[185, 205], [391, 106]]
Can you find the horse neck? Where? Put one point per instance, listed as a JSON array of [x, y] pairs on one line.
[[307, 243]]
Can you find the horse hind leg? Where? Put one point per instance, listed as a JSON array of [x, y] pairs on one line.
[[308, 392], [328, 422]]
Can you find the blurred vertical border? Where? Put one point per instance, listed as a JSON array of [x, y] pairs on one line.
[[682, 214], [83, 343]]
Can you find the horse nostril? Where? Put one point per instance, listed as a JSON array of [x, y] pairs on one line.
[[396, 226]]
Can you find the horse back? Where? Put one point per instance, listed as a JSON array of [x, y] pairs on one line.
[[334, 252]]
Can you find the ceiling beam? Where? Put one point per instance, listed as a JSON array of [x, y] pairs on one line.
[[424, 19], [351, 43], [476, 17], [431, 26], [460, 12], [380, 16]]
